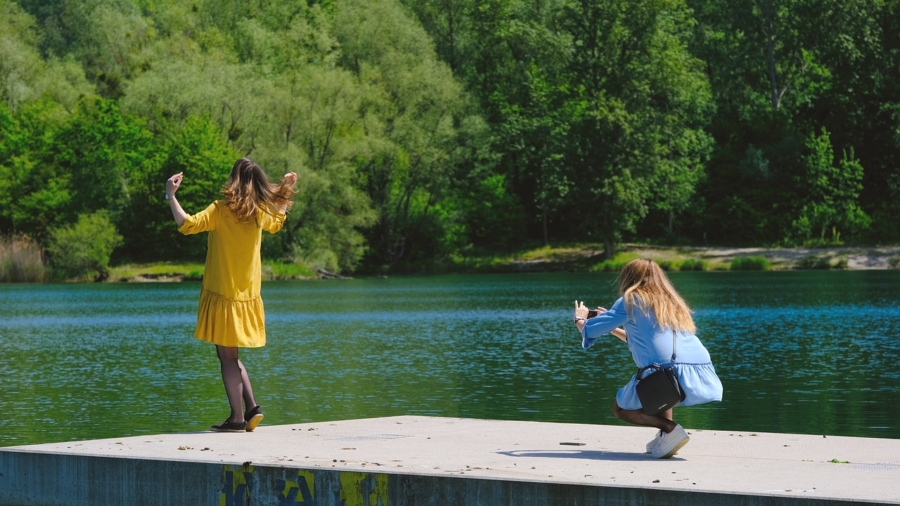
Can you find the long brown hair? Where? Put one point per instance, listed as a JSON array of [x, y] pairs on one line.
[[248, 190], [643, 283]]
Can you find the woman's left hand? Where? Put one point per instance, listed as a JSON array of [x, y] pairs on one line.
[[290, 179]]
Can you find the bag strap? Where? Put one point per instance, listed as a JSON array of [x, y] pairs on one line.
[[673, 346]]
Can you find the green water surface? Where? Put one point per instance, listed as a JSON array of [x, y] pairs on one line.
[[802, 352]]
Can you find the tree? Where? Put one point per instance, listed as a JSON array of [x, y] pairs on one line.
[[98, 149], [24, 75], [414, 105], [832, 202], [83, 249], [34, 195], [779, 69], [641, 101], [198, 150]]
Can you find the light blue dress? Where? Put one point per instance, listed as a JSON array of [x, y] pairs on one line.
[[651, 344]]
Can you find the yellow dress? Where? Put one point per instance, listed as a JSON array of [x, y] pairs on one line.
[[231, 309]]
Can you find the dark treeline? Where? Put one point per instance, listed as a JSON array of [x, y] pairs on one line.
[[427, 129]]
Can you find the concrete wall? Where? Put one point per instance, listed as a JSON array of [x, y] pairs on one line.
[[35, 479]]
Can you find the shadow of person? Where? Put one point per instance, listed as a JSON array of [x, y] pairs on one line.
[[582, 454]]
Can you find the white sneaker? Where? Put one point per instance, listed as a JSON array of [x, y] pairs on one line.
[[670, 443], [655, 441]]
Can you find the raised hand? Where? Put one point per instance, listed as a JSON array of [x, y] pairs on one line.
[[173, 183], [581, 311]]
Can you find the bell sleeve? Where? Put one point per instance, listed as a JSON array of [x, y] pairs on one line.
[[271, 222], [204, 221]]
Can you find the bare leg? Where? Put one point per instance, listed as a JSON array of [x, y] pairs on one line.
[[662, 421], [232, 378]]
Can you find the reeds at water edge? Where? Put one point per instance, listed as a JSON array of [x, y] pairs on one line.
[[21, 260]]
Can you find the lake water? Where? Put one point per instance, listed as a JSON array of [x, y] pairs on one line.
[[802, 352]]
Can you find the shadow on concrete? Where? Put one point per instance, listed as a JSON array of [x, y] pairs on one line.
[[582, 454]]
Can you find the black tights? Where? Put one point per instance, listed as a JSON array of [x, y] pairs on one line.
[[662, 421], [237, 382]]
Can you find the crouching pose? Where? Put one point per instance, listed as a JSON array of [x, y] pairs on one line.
[[655, 318]]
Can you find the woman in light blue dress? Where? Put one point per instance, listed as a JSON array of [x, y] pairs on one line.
[[646, 316]]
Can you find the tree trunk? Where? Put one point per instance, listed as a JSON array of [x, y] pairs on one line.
[[546, 232], [769, 23], [609, 248]]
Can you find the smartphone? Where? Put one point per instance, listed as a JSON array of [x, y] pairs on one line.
[[592, 313]]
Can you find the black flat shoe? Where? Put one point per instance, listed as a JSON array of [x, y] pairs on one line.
[[252, 418], [227, 426]]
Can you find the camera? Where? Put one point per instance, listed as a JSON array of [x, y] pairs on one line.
[[592, 313]]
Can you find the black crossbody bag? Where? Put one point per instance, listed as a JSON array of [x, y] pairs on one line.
[[659, 390]]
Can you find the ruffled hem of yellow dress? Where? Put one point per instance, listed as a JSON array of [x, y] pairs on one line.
[[231, 322]]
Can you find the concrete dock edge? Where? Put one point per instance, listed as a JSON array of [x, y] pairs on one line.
[[427, 461], [51, 480]]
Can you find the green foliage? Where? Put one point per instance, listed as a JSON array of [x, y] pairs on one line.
[[782, 70], [424, 131], [493, 217], [98, 149], [164, 270], [750, 263], [282, 270], [832, 196], [407, 176], [692, 265], [57, 168], [83, 250], [17, 145], [614, 264], [24, 75], [197, 150], [820, 262]]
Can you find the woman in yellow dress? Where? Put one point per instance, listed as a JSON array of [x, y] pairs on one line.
[[231, 310]]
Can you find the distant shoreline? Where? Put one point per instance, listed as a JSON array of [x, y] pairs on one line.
[[587, 258], [715, 258], [857, 257]]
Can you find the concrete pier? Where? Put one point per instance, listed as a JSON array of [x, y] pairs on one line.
[[415, 461]]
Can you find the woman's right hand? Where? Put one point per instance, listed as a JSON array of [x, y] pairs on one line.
[[173, 183], [581, 311]]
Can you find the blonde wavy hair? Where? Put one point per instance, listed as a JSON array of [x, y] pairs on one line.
[[248, 191], [644, 284]]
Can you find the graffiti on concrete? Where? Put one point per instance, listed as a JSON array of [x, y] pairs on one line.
[[237, 484], [302, 491], [358, 490]]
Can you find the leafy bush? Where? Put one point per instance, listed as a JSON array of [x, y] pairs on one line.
[[820, 262], [614, 264], [610, 265], [692, 265], [751, 263], [21, 260], [812, 262], [283, 270], [82, 250]]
